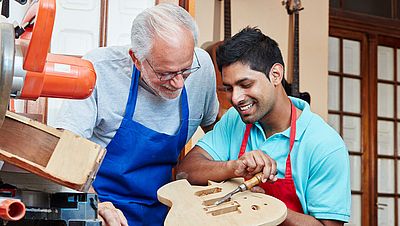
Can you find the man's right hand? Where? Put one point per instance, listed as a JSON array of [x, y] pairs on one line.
[[111, 216], [253, 162]]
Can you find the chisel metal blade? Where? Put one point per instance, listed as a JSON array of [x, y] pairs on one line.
[[227, 196], [255, 180]]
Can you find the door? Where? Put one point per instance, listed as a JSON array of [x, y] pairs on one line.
[[364, 107], [348, 113]]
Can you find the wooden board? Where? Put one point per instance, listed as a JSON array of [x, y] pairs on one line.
[[194, 205], [60, 156]]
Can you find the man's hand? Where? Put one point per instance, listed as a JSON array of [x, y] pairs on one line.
[[111, 216], [253, 162]]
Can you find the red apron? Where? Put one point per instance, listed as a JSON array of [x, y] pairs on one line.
[[282, 189]]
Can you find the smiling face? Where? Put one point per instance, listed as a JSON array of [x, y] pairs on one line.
[[168, 56], [251, 92]]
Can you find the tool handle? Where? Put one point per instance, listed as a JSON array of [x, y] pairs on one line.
[[254, 180]]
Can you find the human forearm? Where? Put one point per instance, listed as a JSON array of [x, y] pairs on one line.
[[198, 168], [298, 219]]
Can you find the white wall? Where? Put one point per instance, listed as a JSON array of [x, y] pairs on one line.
[[120, 16]]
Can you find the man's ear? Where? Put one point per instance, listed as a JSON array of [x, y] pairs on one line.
[[276, 74], [135, 60]]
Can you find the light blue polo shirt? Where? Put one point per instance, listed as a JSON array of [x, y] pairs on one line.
[[319, 159]]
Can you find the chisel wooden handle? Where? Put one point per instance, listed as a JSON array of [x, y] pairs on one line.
[[257, 179]]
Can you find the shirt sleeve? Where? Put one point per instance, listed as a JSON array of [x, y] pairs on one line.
[[211, 106], [330, 177], [78, 116], [217, 142]]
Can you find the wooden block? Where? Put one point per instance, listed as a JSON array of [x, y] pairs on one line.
[[59, 156], [194, 205]]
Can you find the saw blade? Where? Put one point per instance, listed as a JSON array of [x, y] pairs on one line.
[[7, 53]]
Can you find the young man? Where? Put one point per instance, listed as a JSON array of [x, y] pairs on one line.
[[304, 160], [148, 101]]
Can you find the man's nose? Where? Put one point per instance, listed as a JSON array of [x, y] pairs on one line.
[[237, 96], [177, 82]]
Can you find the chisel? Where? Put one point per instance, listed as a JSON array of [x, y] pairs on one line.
[[247, 185]]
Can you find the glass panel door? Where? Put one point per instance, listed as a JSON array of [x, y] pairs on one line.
[[345, 108], [388, 105]]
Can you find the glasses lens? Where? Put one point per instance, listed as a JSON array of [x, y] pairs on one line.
[[184, 73], [167, 77]]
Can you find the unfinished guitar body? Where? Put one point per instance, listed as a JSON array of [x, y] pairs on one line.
[[194, 205]]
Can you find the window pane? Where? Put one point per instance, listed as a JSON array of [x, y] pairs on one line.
[[351, 95], [351, 133], [377, 8], [398, 177], [398, 141], [19, 105], [351, 57], [398, 58], [398, 209], [385, 211], [398, 102], [385, 138], [385, 63], [386, 176], [334, 121], [333, 54], [385, 100], [333, 93], [355, 173], [355, 216]]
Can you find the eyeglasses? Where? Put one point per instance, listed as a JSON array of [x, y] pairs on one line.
[[165, 76]]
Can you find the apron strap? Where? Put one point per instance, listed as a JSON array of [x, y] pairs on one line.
[[245, 139], [131, 105], [185, 104], [288, 173], [293, 118], [184, 118]]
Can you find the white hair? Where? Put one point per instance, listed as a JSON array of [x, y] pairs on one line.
[[164, 20]]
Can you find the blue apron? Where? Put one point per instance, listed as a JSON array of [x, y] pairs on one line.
[[138, 162]]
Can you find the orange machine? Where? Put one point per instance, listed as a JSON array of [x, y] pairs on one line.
[[28, 71]]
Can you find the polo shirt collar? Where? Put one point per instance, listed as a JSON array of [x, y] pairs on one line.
[[304, 119], [301, 123]]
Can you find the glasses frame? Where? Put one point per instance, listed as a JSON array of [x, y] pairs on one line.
[[166, 76]]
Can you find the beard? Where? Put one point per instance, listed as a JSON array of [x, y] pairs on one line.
[[257, 114], [248, 119]]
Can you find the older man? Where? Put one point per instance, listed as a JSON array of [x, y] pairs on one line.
[[149, 99]]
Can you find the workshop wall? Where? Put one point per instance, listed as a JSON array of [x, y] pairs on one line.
[[271, 17]]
